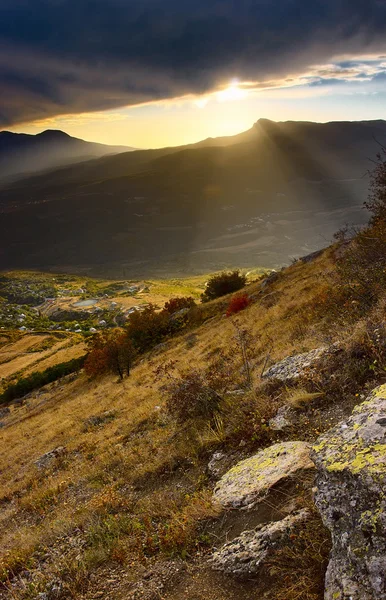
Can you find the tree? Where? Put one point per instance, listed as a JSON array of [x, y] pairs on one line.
[[224, 283], [362, 268], [376, 203], [175, 304], [147, 328], [110, 351]]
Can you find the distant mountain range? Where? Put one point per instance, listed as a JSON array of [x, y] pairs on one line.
[[263, 197], [24, 153]]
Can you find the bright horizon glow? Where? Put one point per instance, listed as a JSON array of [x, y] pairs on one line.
[[349, 88]]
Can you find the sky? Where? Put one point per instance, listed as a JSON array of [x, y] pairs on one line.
[[152, 73]]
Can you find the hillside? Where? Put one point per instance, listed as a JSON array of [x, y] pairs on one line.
[[45, 319], [122, 505], [21, 153], [263, 197]]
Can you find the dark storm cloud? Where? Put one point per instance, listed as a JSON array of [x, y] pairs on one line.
[[69, 56]]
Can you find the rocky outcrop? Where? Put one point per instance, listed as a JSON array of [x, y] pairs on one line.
[[351, 497], [249, 482], [247, 554], [294, 367], [48, 458]]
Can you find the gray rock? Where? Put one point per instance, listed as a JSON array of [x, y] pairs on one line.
[[273, 276], [351, 497], [293, 367], [97, 420], [283, 419], [249, 482], [215, 462], [179, 314], [311, 257], [4, 412], [46, 459], [247, 554]]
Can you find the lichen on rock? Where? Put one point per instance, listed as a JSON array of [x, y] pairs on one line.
[[351, 497], [248, 482]]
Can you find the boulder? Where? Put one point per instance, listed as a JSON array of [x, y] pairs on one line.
[[249, 482], [293, 367], [351, 497], [283, 419], [46, 459], [247, 554]]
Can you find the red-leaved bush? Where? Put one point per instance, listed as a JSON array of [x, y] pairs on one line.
[[237, 303]]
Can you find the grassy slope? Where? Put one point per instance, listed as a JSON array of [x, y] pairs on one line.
[[135, 488]]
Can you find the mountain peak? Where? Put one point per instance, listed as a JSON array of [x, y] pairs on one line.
[[53, 134]]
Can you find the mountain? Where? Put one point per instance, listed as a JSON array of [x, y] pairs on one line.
[[23, 153], [262, 197]]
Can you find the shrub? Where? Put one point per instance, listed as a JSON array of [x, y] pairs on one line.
[[190, 397], [110, 351], [176, 304], [237, 304], [190, 394], [222, 284], [198, 393]]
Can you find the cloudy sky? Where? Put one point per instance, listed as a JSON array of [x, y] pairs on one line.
[[151, 73]]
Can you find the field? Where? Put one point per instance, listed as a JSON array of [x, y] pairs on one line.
[[26, 353]]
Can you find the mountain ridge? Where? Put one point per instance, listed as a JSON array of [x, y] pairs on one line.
[[21, 153], [262, 197]]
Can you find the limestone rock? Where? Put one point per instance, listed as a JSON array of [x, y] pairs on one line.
[[283, 419], [214, 465], [248, 482], [351, 497], [247, 554], [46, 459], [293, 367]]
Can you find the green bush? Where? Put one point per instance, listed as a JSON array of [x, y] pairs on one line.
[[147, 328], [224, 283]]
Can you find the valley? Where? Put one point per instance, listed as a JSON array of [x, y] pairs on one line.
[[264, 197]]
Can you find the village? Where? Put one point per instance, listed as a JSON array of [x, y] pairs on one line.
[[62, 304]]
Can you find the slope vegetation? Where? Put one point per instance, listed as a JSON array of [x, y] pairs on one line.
[[121, 507]]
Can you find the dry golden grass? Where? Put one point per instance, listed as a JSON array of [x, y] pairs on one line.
[[22, 356], [300, 397], [24, 343], [139, 449], [59, 353]]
